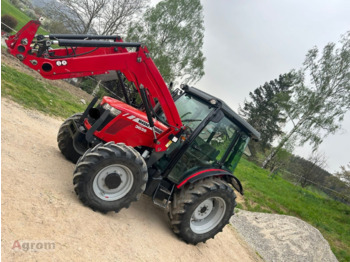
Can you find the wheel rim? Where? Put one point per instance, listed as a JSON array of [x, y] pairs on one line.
[[110, 193], [207, 215]]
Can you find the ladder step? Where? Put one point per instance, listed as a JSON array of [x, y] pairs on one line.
[[161, 203], [160, 200], [165, 190]]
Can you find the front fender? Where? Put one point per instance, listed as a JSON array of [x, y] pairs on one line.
[[201, 174]]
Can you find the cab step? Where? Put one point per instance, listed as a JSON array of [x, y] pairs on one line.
[[162, 195]]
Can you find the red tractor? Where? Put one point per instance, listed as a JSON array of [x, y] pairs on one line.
[[181, 148]]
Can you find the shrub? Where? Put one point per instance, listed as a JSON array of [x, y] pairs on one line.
[[10, 21], [30, 13], [15, 2], [87, 84]]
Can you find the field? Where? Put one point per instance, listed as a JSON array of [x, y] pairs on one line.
[[22, 18], [32, 93]]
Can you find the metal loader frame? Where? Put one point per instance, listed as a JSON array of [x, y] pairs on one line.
[[96, 57], [87, 55]]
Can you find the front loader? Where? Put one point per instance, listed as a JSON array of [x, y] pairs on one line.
[[181, 149]]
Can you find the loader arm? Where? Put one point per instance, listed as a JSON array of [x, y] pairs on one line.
[[83, 55]]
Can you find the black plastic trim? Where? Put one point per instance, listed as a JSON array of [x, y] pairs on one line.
[[86, 112], [227, 175], [95, 43], [86, 36], [90, 133]]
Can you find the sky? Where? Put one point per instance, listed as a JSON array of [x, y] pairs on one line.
[[250, 42]]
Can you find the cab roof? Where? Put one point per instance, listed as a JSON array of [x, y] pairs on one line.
[[226, 109]]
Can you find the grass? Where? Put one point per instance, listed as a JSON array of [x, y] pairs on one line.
[[263, 194], [35, 94], [22, 18]]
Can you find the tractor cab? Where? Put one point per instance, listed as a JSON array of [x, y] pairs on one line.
[[214, 138]]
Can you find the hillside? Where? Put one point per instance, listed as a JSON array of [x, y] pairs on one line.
[[22, 18]]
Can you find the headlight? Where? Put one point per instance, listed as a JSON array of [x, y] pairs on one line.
[[111, 109]]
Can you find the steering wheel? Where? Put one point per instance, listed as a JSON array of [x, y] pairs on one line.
[[188, 131], [188, 127]]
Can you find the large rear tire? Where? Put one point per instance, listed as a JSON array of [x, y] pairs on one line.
[[200, 210], [109, 177], [65, 141]]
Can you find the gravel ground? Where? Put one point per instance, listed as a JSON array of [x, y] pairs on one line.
[[282, 238], [39, 204]]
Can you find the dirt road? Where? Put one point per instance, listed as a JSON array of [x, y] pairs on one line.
[[39, 205]]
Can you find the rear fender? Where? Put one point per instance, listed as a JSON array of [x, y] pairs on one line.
[[201, 174]]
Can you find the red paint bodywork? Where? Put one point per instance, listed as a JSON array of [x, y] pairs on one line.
[[197, 174], [126, 128], [137, 67]]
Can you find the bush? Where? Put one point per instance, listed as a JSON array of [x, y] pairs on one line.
[[15, 2], [87, 84], [10, 21], [31, 13]]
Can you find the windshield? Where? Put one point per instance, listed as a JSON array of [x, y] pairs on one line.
[[192, 112]]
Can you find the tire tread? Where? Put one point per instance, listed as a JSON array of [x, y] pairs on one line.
[[85, 169], [186, 197]]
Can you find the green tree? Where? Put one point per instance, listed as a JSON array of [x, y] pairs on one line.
[[344, 174], [173, 32], [310, 169], [265, 112], [321, 97]]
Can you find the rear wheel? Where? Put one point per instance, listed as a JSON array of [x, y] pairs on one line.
[[110, 176], [65, 141], [200, 210]]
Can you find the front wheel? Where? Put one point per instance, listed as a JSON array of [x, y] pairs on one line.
[[109, 177], [65, 141], [200, 210]]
